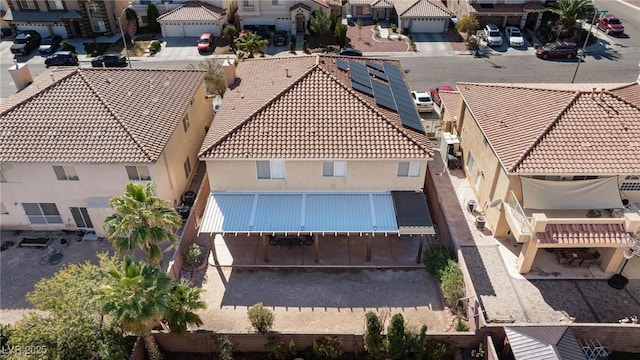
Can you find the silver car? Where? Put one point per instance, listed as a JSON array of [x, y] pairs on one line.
[[493, 35], [515, 36]]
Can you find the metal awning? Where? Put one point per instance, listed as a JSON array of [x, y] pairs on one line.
[[412, 213], [299, 213], [543, 343]]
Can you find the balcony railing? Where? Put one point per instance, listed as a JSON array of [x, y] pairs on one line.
[[514, 209]]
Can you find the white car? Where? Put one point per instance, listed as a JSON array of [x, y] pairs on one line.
[[423, 100], [493, 35], [515, 36]]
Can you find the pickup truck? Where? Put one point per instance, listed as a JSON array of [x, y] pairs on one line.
[[610, 24]]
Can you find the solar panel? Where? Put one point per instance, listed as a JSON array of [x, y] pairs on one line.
[[359, 73], [342, 65], [376, 66], [382, 94], [404, 104], [361, 88], [392, 71], [378, 74]]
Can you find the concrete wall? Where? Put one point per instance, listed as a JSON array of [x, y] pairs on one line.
[[305, 175]]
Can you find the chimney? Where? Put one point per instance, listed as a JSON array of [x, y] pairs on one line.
[[286, 72], [21, 75], [229, 71]]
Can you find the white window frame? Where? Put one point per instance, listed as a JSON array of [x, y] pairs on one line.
[[186, 122], [336, 169], [42, 218], [98, 26], [187, 167], [27, 4], [276, 169], [65, 173], [470, 161], [55, 4], [138, 169], [478, 179], [412, 168]]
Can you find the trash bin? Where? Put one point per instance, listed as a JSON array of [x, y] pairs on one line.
[[350, 21], [184, 211], [471, 205], [188, 197], [480, 222]]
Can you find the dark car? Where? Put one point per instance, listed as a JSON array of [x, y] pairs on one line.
[[50, 44], [61, 58], [264, 33], [26, 42], [350, 52], [560, 49], [280, 38], [109, 60]]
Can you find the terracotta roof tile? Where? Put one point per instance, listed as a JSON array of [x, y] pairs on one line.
[[452, 101], [630, 92], [505, 8], [584, 234], [313, 113], [421, 8], [98, 116], [194, 11]]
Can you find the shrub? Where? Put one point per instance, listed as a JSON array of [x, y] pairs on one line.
[[292, 47], [155, 45], [192, 255], [277, 350], [435, 259], [261, 318], [461, 326], [226, 347], [305, 46], [452, 284], [327, 348], [373, 342], [396, 337], [394, 28], [293, 40], [439, 350], [414, 344]]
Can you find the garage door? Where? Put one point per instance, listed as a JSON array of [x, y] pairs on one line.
[[428, 25], [283, 24], [42, 29], [198, 28], [60, 30], [172, 30]]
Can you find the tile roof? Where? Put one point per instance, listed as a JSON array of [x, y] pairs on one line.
[[583, 234], [630, 92], [452, 101], [421, 8], [554, 131], [382, 4], [42, 16], [505, 8], [311, 113], [96, 115], [194, 11]]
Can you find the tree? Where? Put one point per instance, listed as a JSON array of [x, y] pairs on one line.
[[468, 25], [570, 11], [251, 43], [230, 32], [183, 301], [261, 318], [152, 18], [214, 77], [373, 341], [320, 23], [130, 24], [141, 220], [452, 284], [340, 34], [396, 337], [359, 25]]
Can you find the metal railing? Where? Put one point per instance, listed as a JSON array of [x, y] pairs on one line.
[[517, 213]]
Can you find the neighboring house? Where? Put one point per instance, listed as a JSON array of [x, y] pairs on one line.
[[417, 16], [554, 165], [288, 15], [67, 18], [302, 146], [521, 13], [73, 139]]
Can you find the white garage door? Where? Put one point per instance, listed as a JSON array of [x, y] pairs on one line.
[[60, 30], [42, 29], [428, 25], [172, 30], [199, 28], [283, 24]]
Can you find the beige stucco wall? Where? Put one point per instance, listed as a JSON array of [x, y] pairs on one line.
[[306, 175]]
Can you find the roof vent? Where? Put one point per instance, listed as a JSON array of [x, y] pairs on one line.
[[155, 100], [52, 78], [129, 93], [109, 80], [145, 112], [5, 132], [96, 133], [52, 132]]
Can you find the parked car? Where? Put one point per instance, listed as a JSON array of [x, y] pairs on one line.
[[493, 35], [280, 38], [610, 24], [109, 60], [26, 42], [205, 43], [435, 96], [264, 33], [49, 45], [515, 36], [350, 52], [61, 58], [560, 49], [423, 101]]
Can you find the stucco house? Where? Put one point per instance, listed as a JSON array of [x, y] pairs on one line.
[[417, 16], [520, 13], [286, 15], [74, 138], [553, 166], [315, 147]]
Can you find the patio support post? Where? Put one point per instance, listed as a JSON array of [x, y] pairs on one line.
[[212, 244], [265, 244], [527, 255], [316, 247], [420, 245], [369, 240]]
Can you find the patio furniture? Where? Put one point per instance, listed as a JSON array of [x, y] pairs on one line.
[[562, 258]]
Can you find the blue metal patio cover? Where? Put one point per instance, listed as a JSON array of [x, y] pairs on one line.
[[299, 212]]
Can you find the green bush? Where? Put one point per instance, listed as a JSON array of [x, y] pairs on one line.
[[414, 344], [461, 326], [435, 259], [192, 255], [452, 284], [294, 40], [155, 45], [396, 337], [292, 47], [226, 347], [327, 348], [394, 28], [305, 46], [373, 342], [261, 318], [439, 350], [277, 350]]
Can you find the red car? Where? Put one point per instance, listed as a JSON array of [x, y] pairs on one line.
[[610, 24], [205, 43], [434, 93]]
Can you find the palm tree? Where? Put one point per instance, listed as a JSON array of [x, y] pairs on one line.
[[184, 300], [137, 298], [251, 43], [320, 23], [570, 11], [141, 220]]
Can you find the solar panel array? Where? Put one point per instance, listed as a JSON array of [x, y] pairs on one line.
[[359, 73], [378, 74], [362, 88], [342, 65], [384, 97], [374, 65], [405, 106]]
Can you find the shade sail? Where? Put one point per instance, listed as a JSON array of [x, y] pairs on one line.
[[565, 195], [412, 213]]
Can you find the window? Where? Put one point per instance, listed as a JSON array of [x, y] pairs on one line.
[[56, 5], [470, 161], [98, 26], [334, 169], [81, 217], [65, 173], [408, 169], [585, 177], [42, 213], [138, 173], [3, 209], [27, 4], [3, 177], [185, 122], [272, 169], [94, 10], [479, 175], [187, 168]]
